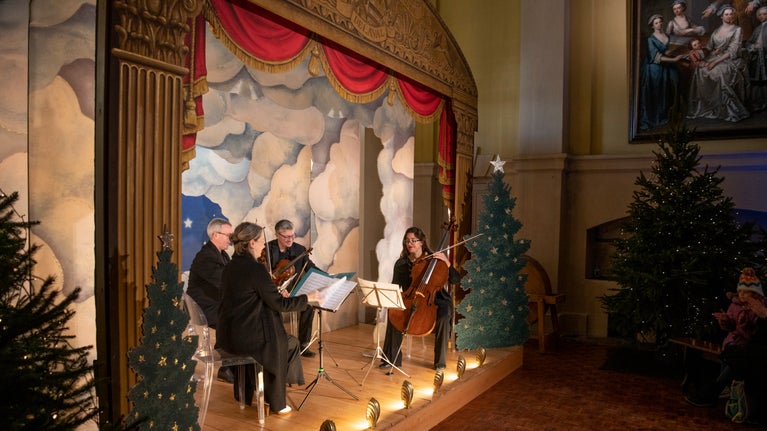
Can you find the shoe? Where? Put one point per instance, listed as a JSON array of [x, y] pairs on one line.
[[384, 365], [285, 411], [439, 368], [225, 375], [699, 402], [307, 353]]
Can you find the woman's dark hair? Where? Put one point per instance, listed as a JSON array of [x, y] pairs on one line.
[[418, 234], [242, 235]]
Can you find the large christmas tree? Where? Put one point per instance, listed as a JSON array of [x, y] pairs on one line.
[[46, 382], [496, 307], [680, 248], [163, 398]]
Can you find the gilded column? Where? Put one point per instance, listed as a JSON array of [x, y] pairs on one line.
[[148, 63], [466, 124]]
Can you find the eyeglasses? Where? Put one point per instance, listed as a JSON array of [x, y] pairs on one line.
[[412, 241], [287, 236]]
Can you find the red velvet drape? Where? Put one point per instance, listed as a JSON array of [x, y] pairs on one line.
[[264, 40]]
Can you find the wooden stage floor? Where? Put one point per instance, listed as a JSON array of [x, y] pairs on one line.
[[345, 364]]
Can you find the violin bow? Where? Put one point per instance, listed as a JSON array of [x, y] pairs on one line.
[[452, 246]]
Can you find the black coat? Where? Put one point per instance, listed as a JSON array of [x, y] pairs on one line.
[[205, 280], [249, 316]]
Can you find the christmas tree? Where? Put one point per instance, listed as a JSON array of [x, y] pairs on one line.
[[163, 399], [680, 248], [46, 383], [495, 308]]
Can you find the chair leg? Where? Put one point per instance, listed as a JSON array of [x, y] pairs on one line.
[[260, 393], [241, 383], [207, 385]]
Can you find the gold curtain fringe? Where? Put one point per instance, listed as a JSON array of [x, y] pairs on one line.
[[312, 48], [343, 92], [186, 156], [423, 119], [199, 86], [247, 58]]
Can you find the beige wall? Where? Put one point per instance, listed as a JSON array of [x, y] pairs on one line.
[[522, 54]]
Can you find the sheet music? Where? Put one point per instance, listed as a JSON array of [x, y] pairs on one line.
[[377, 294], [334, 290]]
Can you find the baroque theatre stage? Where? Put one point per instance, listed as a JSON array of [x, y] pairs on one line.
[[345, 364]]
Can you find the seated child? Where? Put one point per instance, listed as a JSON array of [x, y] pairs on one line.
[[697, 54], [741, 323]]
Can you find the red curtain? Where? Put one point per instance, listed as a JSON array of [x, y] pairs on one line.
[[266, 41]]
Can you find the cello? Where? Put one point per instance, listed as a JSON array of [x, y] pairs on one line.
[[427, 277]]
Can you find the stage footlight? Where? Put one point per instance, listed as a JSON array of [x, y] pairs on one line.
[[439, 377], [460, 366], [407, 394], [372, 413], [481, 356], [328, 425]]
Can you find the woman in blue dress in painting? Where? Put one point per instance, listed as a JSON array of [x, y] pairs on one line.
[[659, 78]]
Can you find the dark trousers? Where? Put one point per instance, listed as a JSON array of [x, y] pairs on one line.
[[274, 385], [442, 329], [305, 323]]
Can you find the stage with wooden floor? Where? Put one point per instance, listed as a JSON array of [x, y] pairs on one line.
[[345, 364]]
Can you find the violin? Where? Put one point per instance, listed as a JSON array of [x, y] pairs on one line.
[[427, 277], [286, 268]]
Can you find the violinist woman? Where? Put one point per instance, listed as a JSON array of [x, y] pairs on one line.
[[414, 246], [249, 319], [284, 250]]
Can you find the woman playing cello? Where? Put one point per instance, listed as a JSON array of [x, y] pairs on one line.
[[414, 247]]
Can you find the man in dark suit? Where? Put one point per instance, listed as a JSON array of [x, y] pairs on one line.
[[205, 277], [284, 249]]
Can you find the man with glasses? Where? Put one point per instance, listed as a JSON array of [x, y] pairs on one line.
[[284, 249], [205, 277]]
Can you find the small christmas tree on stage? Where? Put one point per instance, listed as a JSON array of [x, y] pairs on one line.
[[495, 310], [680, 249], [46, 383], [163, 399]]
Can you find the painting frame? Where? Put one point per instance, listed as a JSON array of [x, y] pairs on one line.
[[642, 131]]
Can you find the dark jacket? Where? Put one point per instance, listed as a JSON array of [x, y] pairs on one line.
[[205, 280], [249, 316]]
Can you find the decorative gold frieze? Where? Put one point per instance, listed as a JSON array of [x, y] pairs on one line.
[[155, 28], [408, 30]]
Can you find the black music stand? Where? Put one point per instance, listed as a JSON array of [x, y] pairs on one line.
[[321, 374], [381, 296]]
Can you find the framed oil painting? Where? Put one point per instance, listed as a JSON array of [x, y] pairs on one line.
[[705, 56]]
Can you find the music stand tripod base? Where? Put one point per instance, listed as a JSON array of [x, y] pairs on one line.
[[383, 296], [321, 374]]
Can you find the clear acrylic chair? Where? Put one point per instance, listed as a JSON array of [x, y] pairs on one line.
[[211, 359]]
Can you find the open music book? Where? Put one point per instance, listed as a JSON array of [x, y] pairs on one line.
[[334, 289]]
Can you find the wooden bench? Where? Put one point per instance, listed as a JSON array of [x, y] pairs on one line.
[[538, 288], [709, 351]]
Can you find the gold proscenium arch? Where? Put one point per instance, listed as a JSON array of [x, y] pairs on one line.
[[141, 160]]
